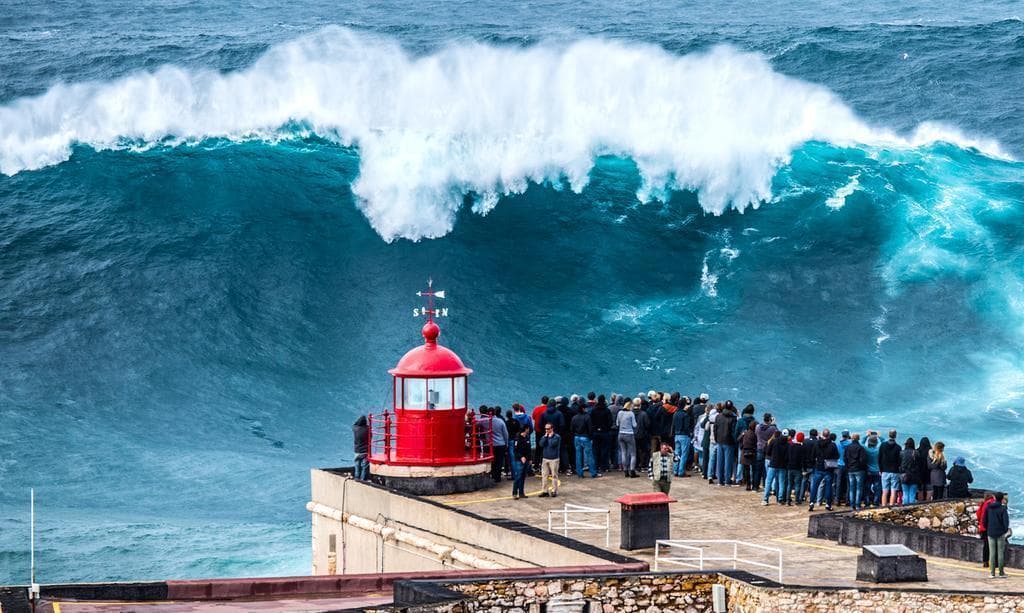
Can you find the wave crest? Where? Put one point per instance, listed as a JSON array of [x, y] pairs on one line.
[[472, 119]]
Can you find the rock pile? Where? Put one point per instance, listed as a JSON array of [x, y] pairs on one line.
[[949, 516]]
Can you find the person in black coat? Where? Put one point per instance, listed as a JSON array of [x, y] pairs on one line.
[[601, 420], [361, 446], [924, 481], [856, 459], [889, 466], [520, 462], [959, 477], [795, 470], [826, 458], [910, 471], [777, 453], [997, 528]]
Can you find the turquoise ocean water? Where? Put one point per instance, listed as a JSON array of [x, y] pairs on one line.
[[214, 216]]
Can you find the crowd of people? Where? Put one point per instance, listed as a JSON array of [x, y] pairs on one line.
[[668, 436], [592, 436]]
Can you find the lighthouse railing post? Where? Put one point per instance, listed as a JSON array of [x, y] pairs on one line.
[[387, 435], [369, 435], [472, 434]]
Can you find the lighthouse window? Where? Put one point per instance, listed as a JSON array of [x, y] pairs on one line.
[[460, 392], [415, 391], [439, 394]]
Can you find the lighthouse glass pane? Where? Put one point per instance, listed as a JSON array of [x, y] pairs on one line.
[[460, 392], [415, 394], [439, 395]]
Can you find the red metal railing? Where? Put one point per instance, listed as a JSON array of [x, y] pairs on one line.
[[413, 438]]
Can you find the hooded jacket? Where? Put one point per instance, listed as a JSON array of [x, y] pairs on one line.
[[742, 424], [682, 422], [959, 477], [582, 426], [522, 448], [910, 467], [360, 436], [795, 456], [889, 457], [982, 508], [642, 430], [554, 417], [601, 419], [777, 452], [764, 433], [855, 458], [665, 416], [997, 520], [725, 426], [824, 450]]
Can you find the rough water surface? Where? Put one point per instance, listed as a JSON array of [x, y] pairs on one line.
[[213, 218]]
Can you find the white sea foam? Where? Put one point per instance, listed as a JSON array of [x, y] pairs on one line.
[[838, 200], [472, 118]]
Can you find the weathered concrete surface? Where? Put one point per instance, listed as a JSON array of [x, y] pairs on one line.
[[714, 512], [362, 528]]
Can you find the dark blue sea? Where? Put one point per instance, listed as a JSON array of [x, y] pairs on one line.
[[214, 217]]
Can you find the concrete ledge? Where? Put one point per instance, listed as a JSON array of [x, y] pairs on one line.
[[610, 557], [136, 592], [275, 587]]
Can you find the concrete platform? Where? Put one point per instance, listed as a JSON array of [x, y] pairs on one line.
[[715, 512]]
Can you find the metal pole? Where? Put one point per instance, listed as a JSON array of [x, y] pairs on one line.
[[32, 538]]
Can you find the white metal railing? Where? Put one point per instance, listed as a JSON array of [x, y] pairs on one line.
[[586, 520], [700, 557]]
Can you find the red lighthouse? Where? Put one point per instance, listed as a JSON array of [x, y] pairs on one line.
[[430, 442]]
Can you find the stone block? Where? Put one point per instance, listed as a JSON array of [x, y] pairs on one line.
[[890, 564]]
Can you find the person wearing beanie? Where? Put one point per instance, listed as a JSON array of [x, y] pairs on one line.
[[959, 477]]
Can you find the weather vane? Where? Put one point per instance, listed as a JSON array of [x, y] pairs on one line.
[[430, 311]]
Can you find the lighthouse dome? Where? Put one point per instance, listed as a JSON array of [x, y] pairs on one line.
[[430, 359]]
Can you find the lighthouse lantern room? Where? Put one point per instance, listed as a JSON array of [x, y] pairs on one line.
[[430, 442]]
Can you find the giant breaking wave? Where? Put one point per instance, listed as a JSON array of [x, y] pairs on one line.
[[472, 120]]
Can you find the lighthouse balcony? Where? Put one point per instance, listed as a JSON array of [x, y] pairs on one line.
[[429, 438]]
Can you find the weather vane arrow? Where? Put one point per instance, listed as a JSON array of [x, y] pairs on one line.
[[430, 311]]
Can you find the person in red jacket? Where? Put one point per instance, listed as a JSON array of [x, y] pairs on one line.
[[538, 432], [982, 532]]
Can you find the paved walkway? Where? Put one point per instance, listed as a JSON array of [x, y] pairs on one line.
[[715, 512]]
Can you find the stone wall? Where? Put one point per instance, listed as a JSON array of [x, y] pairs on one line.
[[950, 516], [649, 593], [689, 593], [746, 598]]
